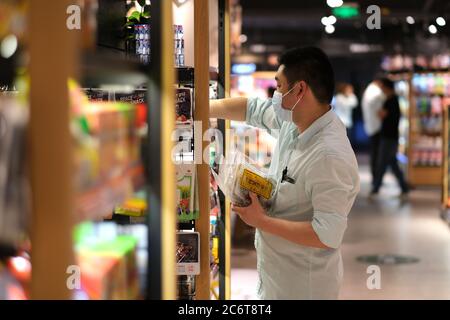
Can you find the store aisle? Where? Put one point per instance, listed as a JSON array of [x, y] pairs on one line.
[[385, 225]]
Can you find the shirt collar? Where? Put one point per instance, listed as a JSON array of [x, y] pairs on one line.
[[313, 129]]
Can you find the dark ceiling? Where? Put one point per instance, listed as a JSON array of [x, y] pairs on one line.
[[286, 23]]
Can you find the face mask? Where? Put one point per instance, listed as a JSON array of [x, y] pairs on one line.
[[277, 102]]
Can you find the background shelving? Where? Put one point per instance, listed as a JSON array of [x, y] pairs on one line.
[[429, 90]]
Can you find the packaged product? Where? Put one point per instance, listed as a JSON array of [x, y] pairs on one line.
[[237, 176]]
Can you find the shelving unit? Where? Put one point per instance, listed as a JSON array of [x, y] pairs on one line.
[[111, 81], [53, 197], [445, 207], [426, 122], [203, 54]]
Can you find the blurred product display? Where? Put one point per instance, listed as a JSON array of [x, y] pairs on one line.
[[430, 92]]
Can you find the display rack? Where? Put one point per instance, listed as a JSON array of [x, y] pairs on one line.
[[445, 207], [112, 82], [51, 161], [426, 121], [224, 126], [199, 53]]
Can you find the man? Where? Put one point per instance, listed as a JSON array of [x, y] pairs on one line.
[[372, 102], [298, 239], [387, 153], [344, 103]]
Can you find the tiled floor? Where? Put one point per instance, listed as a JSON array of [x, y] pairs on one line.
[[385, 225]]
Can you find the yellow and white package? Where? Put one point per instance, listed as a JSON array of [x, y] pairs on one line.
[[237, 177]]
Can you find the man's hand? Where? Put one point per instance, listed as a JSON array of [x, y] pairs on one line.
[[300, 232], [254, 215]]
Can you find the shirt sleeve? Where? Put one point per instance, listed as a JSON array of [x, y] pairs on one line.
[[332, 184], [260, 114]]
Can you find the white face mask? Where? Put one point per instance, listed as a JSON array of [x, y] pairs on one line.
[[277, 102]]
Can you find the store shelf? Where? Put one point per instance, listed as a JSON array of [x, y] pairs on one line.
[[426, 176], [426, 150], [112, 69]]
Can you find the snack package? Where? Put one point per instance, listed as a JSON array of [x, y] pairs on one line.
[[237, 176]]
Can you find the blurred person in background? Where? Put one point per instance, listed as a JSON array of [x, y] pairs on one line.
[[344, 103], [388, 146], [372, 102]]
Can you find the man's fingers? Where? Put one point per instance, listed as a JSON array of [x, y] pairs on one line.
[[254, 197], [236, 209]]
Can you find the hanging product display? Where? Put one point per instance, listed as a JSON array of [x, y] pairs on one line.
[[142, 37], [183, 105], [188, 253], [187, 194], [178, 32]]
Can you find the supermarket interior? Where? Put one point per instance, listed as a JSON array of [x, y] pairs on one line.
[[110, 158]]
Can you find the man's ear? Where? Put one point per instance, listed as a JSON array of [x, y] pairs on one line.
[[302, 87]]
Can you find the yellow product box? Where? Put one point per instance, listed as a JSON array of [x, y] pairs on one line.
[[256, 184]]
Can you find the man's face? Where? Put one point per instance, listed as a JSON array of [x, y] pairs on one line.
[[283, 87]]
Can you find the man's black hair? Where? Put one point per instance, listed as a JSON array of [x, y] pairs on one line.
[[388, 83], [311, 65]]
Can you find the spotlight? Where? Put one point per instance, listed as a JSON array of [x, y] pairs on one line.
[[335, 3], [410, 20], [440, 21], [330, 29], [432, 28]]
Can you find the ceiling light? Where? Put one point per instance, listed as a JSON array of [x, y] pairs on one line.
[[410, 20], [335, 3], [329, 29], [328, 20], [332, 19], [432, 28], [440, 21]]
